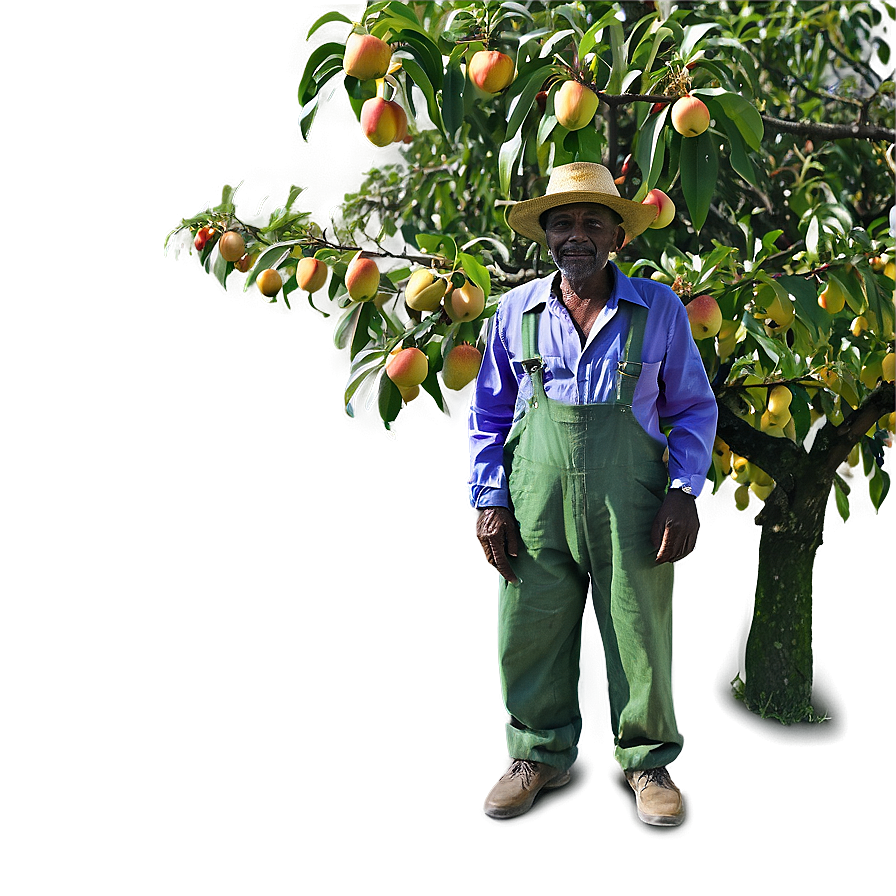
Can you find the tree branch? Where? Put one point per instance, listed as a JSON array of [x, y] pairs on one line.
[[833, 443], [829, 131]]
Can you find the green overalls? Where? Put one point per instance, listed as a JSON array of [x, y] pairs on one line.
[[585, 484]]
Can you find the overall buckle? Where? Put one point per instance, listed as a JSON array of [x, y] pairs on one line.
[[532, 365], [624, 368]]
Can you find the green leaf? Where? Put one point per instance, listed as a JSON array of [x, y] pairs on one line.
[[522, 102], [699, 166], [841, 493], [326, 18], [361, 335], [476, 271], [878, 487], [388, 399], [438, 244], [453, 99], [317, 62], [592, 35], [650, 151], [507, 159], [740, 111], [418, 76], [806, 304], [693, 34], [222, 269], [345, 326], [737, 151]]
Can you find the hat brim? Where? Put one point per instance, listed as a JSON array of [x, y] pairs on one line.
[[523, 217]]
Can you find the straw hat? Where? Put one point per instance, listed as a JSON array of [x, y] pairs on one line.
[[579, 182]]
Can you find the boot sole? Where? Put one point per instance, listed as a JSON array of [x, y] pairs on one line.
[[661, 820], [522, 808]]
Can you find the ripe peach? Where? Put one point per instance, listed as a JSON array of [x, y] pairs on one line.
[[407, 367], [665, 208], [366, 57], [705, 316], [465, 302], [269, 282], [382, 121], [311, 274], [362, 278], [575, 105], [425, 290], [690, 117], [491, 71], [231, 246], [832, 298], [461, 366]]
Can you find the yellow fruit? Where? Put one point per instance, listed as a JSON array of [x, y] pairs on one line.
[[721, 456], [409, 393], [465, 302], [854, 456], [832, 298], [366, 57], [425, 290], [890, 270], [407, 367], [491, 71], [859, 325], [690, 117], [665, 208], [780, 312], [704, 316], [742, 497], [871, 372], [311, 274], [461, 366], [382, 121], [575, 105], [269, 282], [779, 401], [362, 278], [761, 491], [740, 469], [231, 246], [888, 367]]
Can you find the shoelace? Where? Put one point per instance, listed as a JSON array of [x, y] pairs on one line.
[[522, 768], [658, 776]]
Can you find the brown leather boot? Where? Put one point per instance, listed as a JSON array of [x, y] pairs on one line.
[[658, 799], [519, 785]]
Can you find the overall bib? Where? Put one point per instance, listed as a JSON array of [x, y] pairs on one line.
[[585, 484]]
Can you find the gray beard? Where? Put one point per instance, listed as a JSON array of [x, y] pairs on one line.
[[577, 269]]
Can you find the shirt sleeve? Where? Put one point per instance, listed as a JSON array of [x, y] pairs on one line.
[[491, 416], [686, 406]]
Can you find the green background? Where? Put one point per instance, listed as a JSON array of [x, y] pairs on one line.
[[248, 642]]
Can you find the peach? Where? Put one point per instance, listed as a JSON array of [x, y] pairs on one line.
[[231, 246], [465, 302], [705, 316], [491, 71], [366, 57], [690, 117], [311, 274], [362, 278], [407, 367], [665, 208], [424, 291], [381, 120], [575, 105], [461, 366]]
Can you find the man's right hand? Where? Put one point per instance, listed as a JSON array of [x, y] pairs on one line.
[[496, 529]]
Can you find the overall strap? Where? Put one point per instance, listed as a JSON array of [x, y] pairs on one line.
[[630, 363], [532, 362]]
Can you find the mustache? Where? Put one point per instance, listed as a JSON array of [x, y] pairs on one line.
[[579, 250]]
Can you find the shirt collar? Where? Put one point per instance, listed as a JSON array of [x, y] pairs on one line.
[[623, 288]]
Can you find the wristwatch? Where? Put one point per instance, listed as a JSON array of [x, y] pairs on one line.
[[686, 489]]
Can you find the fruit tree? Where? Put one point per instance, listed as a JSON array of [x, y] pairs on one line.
[[762, 133]]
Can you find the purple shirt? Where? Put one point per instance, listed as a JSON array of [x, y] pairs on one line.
[[672, 392]]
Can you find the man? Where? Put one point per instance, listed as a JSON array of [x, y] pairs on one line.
[[584, 372]]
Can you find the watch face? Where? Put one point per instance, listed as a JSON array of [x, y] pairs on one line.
[[687, 490]]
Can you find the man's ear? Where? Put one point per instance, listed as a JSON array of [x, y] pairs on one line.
[[618, 238]]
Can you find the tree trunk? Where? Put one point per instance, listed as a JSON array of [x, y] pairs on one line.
[[778, 661]]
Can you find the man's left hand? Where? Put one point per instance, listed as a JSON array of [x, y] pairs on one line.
[[675, 527]]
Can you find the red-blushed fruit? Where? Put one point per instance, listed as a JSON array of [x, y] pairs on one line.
[[627, 166], [362, 278], [704, 316], [575, 105], [491, 71], [541, 99], [269, 282], [407, 367], [657, 107], [231, 246], [465, 302], [202, 236], [461, 365], [311, 274], [690, 117], [366, 57], [381, 120], [832, 298], [665, 208], [409, 393], [245, 263], [401, 118]]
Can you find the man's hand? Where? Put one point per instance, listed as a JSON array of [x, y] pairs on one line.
[[675, 527], [496, 529]]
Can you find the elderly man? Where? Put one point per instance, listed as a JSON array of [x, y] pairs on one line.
[[587, 378]]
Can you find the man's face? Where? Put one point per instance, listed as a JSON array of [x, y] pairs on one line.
[[581, 237]]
